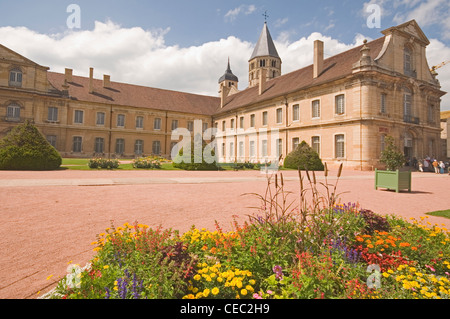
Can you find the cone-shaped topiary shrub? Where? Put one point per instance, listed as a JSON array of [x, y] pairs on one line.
[[194, 161], [304, 157], [25, 148]]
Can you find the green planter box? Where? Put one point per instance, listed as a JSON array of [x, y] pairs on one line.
[[394, 180]]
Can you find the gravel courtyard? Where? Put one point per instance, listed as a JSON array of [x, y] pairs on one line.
[[49, 219]]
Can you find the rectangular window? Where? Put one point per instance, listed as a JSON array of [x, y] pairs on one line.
[[315, 143], [231, 149], [383, 103], [156, 148], [279, 116], [252, 120], [205, 126], [120, 146], [100, 118], [13, 112], [252, 149], [316, 109], [173, 149], [340, 104], [139, 147], [232, 124], [79, 117], [52, 140], [120, 120], [52, 114], [407, 105], [296, 113], [190, 126], [241, 122], [264, 148], [15, 78], [295, 143], [265, 118], [99, 145], [224, 126], [279, 147], [223, 151], [174, 125], [140, 122], [77, 144], [241, 149], [339, 145], [157, 124]]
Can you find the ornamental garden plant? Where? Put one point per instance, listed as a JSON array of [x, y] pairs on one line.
[[25, 148], [287, 249]]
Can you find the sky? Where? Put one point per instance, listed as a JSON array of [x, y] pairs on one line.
[[185, 45]]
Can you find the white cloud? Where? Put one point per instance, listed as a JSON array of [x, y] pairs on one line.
[[426, 13], [231, 15], [138, 56]]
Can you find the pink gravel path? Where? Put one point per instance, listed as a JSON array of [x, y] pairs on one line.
[[49, 219]]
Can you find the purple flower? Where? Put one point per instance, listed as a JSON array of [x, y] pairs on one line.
[[278, 272]]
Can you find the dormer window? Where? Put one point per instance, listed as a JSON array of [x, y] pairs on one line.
[[15, 77], [408, 63]]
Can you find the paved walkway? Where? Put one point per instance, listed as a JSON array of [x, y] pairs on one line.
[[49, 219]]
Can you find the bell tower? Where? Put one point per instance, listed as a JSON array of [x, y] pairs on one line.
[[265, 56]]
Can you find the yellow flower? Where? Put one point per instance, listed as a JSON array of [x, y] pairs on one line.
[[215, 291], [48, 278], [252, 282], [386, 275], [105, 267], [197, 277], [206, 292], [244, 292]]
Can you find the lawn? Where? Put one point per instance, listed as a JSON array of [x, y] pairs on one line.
[[441, 213]]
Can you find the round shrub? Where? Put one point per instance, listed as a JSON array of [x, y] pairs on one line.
[[195, 163], [25, 148], [304, 157]]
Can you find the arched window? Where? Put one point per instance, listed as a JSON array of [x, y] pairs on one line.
[[15, 77], [13, 112]]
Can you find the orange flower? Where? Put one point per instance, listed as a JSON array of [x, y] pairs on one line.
[[370, 246], [414, 248], [360, 239], [405, 244]]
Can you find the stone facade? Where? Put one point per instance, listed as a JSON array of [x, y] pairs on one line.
[[343, 106]]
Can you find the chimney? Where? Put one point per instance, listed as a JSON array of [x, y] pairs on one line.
[[91, 80], [106, 81], [262, 80], [318, 58], [69, 73]]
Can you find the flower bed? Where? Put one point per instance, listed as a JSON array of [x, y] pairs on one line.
[[316, 251]]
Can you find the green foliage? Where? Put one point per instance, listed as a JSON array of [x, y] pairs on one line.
[[391, 156], [25, 148], [103, 163], [282, 252], [304, 157], [196, 162]]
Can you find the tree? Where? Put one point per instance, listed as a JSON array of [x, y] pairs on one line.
[[391, 156], [25, 148], [304, 157], [196, 162]]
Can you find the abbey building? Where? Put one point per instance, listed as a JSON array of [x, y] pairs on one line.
[[343, 106]]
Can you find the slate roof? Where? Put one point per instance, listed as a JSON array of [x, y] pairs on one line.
[[265, 45], [228, 75]]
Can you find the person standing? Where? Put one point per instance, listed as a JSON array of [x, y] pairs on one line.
[[436, 166], [441, 167]]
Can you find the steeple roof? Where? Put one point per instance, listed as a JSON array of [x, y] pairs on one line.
[[228, 75], [265, 45]]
